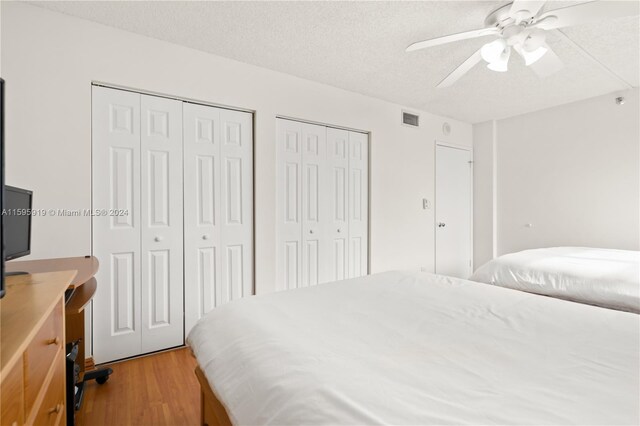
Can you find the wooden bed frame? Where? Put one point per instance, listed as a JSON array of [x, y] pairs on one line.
[[212, 412]]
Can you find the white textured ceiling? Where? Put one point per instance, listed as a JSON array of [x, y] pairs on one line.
[[359, 46]]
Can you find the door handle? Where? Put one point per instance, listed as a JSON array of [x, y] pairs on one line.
[[441, 224], [205, 237], [157, 239]]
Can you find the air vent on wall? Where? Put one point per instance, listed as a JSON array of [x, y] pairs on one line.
[[409, 119]]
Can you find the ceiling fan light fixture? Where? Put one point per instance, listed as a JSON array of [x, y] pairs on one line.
[[498, 66], [534, 40], [491, 52], [533, 57], [502, 63]]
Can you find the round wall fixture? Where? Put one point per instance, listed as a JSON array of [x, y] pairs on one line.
[[446, 129]]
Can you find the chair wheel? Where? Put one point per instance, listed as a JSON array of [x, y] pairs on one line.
[[102, 380]]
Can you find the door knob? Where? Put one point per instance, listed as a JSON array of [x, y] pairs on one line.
[[54, 341], [55, 409], [338, 229], [205, 237], [441, 224], [157, 239], [311, 231]]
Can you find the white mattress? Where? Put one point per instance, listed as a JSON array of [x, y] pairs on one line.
[[416, 348], [603, 277]]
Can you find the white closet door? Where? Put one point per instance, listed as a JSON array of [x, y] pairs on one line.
[[116, 238], [218, 206], [322, 204], [338, 186], [358, 204], [161, 209], [201, 210], [236, 202], [289, 220], [314, 205]]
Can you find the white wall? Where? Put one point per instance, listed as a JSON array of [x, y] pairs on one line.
[[483, 208], [572, 172], [49, 61]]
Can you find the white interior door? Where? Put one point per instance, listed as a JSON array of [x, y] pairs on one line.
[[358, 204], [202, 266], [202, 218], [236, 202], [453, 211], [314, 205], [337, 190], [161, 210], [218, 201], [289, 207], [116, 238], [322, 204]]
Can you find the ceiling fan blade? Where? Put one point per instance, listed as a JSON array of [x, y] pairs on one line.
[[549, 64], [584, 13], [452, 37], [464, 68], [518, 8]]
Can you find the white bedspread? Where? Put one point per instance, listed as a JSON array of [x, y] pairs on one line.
[[602, 277], [415, 348]]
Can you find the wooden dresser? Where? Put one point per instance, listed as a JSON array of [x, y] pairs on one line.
[[32, 349]]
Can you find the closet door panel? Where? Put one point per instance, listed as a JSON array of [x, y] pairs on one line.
[[322, 204], [314, 205], [202, 203], [116, 237], [236, 195], [162, 227], [337, 231], [358, 204], [289, 208]]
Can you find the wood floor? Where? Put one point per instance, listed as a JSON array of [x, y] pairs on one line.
[[159, 389]]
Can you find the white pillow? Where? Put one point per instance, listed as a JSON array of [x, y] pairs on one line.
[[602, 277]]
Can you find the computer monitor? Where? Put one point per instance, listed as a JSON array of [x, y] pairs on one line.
[[17, 222]]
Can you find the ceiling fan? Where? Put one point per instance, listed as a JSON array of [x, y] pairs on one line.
[[522, 27]]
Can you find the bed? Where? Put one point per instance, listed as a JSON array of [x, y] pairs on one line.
[[602, 277], [416, 348]]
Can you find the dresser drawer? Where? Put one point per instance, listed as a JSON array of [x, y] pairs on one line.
[[52, 411], [40, 355], [11, 398]]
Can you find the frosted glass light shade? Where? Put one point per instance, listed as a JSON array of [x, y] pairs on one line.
[[502, 62], [532, 57], [491, 52]]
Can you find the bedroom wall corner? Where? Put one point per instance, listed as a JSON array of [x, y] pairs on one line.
[[563, 176], [483, 193], [568, 176]]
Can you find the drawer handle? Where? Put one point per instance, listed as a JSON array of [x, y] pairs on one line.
[[54, 341], [56, 409]]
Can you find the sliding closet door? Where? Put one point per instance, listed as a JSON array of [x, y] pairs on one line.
[[337, 190], [289, 199], [161, 210], [116, 237], [358, 204], [218, 201]]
